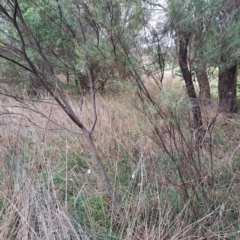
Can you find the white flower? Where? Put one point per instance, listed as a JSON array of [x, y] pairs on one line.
[[89, 171]]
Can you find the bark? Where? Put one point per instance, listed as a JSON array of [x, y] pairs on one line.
[[227, 93], [187, 76], [68, 77], [202, 78]]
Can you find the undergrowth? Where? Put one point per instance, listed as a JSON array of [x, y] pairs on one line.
[[168, 189]]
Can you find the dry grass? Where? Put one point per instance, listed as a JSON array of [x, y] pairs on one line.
[[168, 81], [32, 210], [46, 192]]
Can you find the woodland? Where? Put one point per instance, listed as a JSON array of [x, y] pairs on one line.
[[119, 119]]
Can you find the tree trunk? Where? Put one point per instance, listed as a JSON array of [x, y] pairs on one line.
[[227, 93], [68, 77], [187, 76], [202, 78]]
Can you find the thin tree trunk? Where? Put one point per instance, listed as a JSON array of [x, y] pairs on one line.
[[227, 94], [202, 78], [68, 77], [103, 172], [187, 76]]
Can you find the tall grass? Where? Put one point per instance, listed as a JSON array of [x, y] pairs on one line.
[[51, 187]]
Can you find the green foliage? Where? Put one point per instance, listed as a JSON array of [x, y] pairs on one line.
[[222, 37], [72, 88]]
